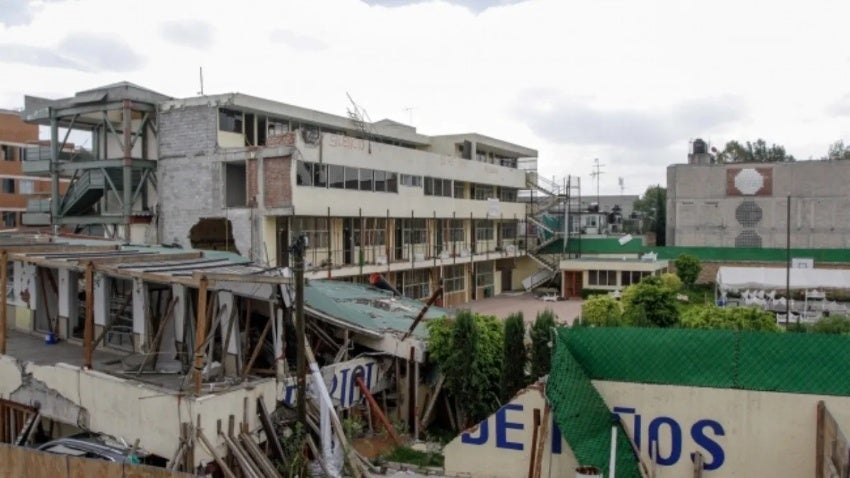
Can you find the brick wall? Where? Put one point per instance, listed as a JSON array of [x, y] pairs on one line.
[[251, 179], [189, 131], [277, 182], [14, 130]]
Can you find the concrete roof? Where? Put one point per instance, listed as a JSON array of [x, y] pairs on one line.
[[497, 145], [366, 309], [37, 110]]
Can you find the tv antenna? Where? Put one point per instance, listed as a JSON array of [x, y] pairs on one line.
[[409, 111], [360, 120], [597, 172]]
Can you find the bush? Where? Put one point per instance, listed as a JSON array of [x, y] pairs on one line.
[[650, 304], [671, 281], [514, 357], [688, 268], [736, 318], [541, 344], [834, 324], [602, 310], [588, 293]]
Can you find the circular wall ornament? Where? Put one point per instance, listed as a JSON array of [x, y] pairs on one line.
[[749, 181]]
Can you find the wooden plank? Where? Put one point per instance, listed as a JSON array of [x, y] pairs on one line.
[[88, 468], [144, 258], [268, 428], [252, 278], [37, 463]]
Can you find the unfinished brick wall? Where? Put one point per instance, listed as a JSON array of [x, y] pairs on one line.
[[251, 179], [277, 183]]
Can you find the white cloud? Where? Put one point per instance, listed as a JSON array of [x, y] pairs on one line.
[[192, 33]]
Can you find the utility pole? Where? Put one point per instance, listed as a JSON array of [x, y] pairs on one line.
[[297, 250]]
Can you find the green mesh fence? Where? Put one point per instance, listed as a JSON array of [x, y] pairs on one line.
[[584, 419], [767, 361]]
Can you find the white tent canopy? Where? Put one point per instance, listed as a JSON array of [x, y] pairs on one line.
[[775, 278]]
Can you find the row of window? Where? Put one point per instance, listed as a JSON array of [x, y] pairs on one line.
[[345, 177], [609, 278], [322, 175]]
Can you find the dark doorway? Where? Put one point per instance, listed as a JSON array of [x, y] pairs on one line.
[[346, 242]]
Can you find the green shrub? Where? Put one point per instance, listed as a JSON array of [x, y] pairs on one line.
[[588, 293], [671, 281], [541, 344], [688, 268], [650, 304], [515, 357], [736, 318], [602, 310], [834, 324]]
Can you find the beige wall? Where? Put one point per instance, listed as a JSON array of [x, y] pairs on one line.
[[740, 433], [500, 446]]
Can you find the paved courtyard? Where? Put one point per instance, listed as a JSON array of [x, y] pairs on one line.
[[507, 303]]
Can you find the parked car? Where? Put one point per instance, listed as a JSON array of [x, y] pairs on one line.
[[91, 445]]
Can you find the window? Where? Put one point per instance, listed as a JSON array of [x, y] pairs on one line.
[[351, 178], [10, 220], [414, 232], [27, 186], [392, 182], [373, 233], [483, 230], [367, 180], [507, 194], [336, 176], [8, 185], [380, 181], [455, 230], [316, 229], [483, 191], [632, 277], [603, 278], [508, 230], [235, 185], [320, 175], [429, 186], [415, 284], [453, 279], [460, 189], [229, 120], [438, 187], [411, 181], [484, 277], [277, 126], [304, 173]]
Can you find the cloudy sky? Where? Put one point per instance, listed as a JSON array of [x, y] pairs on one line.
[[628, 82]]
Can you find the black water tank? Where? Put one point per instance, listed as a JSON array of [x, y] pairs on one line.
[[700, 147]]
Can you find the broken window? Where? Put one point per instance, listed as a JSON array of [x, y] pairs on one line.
[[304, 173], [277, 126], [235, 185], [230, 120], [320, 175]]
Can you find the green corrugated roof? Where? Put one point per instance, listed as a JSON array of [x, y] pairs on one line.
[[367, 307], [594, 246]]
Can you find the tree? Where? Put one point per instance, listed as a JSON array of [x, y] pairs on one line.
[[838, 151], [688, 268], [736, 318], [469, 352], [834, 324], [652, 207], [602, 310], [650, 304], [541, 344], [515, 357], [753, 152], [671, 281]]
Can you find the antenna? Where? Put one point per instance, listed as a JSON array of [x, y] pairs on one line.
[[622, 184], [409, 111], [202, 82], [597, 171], [361, 120]]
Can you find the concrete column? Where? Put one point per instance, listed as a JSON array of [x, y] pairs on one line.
[[230, 353], [140, 317], [69, 303], [180, 311], [102, 296]]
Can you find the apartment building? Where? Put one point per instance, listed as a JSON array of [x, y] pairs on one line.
[[246, 174], [17, 140]]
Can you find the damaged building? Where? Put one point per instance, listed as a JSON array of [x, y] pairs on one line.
[[183, 351], [245, 174]]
